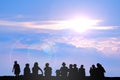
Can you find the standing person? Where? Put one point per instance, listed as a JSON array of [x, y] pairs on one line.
[[93, 72], [36, 68], [27, 70], [16, 68], [47, 71], [64, 71], [70, 74], [75, 72], [100, 71], [82, 72]]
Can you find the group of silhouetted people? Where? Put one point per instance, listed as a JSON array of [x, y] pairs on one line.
[[64, 73], [97, 73], [71, 73], [35, 69]]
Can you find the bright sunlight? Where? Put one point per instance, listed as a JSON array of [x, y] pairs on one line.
[[80, 24]]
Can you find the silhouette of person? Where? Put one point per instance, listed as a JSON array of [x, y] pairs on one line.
[[47, 71], [58, 74], [82, 72], [36, 68], [64, 71], [75, 72], [16, 68], [26, 70], [93, 72], [100, 71], [70, 74]]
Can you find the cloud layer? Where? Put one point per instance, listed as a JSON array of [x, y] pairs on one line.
[[51, 24]]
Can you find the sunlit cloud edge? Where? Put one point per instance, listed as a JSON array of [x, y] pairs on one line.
[[52, 25]]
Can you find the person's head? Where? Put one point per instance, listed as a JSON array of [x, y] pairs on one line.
[[70, 66], [36, 64], [15, 62], [47, 64], [93, 66], [82, 66], [63, 64], [75, 65], [98, 65], [27, 65]]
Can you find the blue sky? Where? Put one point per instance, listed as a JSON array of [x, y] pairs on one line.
[[36, 30]]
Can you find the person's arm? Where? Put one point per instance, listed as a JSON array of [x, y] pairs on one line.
[[19, 68], [13, 68], [41, 70], [103, 70]]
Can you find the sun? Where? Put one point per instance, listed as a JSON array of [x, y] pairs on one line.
[[80, 24]]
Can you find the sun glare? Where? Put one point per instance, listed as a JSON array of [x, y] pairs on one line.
[[80, 24]]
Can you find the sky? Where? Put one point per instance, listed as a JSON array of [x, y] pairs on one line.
[[55, 31]]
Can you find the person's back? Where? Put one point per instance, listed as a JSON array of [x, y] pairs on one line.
[[70, 74], [27, 70], [100, 71], [48, 70], [16, 69], [64, 70], [75, 72], [93, 72], [36, 68], [82, 72], [58, 73]]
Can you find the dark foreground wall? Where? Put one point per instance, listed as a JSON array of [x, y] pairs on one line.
[[43, 78]]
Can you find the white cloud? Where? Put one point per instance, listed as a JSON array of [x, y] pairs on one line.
[[108, 46], [53, 25]]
